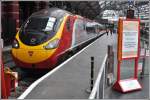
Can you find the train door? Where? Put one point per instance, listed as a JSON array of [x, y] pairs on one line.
[[69, 30], [67, 33], [72, 30]]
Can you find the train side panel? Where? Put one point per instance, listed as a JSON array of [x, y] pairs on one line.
[[66, 39], [80, 34]]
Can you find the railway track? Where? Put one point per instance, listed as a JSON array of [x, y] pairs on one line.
[[24, 79], [24, 82]]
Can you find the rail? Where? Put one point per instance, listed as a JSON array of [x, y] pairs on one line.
[[95, 91]]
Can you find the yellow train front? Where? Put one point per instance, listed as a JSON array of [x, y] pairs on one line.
[[39, 41]]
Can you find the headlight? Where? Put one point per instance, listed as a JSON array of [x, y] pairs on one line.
[[15, 44], [52, 44]]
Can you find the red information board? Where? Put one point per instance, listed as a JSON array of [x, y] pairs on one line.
[[128, 38], [128, 48]]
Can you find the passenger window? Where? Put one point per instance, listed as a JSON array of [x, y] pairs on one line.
[[68, 24]]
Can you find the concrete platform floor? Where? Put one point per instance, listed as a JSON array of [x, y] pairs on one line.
[[72, 80]]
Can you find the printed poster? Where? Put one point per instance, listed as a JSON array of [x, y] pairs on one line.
[[130, 39]]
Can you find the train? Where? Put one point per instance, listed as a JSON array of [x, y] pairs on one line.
[[46, 36]]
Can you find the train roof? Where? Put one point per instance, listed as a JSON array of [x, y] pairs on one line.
[[54, 12]]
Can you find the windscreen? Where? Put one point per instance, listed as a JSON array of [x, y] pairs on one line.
[[38, 30], [40, 24]]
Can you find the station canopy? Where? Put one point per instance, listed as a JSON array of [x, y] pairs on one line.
[[95, 10]]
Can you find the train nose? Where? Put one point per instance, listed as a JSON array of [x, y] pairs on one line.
[[31, 56]]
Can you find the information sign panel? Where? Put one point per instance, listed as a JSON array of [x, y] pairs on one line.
[[130, 39]]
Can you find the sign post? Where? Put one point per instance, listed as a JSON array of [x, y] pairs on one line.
[[128, 48]]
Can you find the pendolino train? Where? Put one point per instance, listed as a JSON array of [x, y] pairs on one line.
[[47, 34]]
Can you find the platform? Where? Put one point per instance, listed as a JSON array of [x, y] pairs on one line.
[[72, 80]]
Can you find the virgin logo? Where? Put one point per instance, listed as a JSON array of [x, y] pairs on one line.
[[30, 53]]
